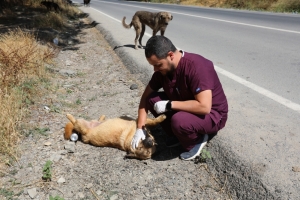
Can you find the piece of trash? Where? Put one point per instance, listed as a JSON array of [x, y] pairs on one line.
[[74, 137], [46, 108], [55, 41], [47, 143]]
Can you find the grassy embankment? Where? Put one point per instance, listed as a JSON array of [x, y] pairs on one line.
[[22, 68]]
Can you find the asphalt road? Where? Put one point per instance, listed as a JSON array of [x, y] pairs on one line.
[[262, 48], [257, 57]]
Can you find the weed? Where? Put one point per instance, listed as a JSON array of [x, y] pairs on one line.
[[42, 131], [47, 174], [80, 74], [78, 102], [55, 109], [6, 193], [93, 98], [205, 154], [56, 198]]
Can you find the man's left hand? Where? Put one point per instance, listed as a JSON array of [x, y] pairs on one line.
[[160, 107]]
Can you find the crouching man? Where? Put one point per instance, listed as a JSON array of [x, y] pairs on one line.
[[193, 98]]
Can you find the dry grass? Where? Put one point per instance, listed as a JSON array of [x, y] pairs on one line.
[[21, 59], [56, 20]]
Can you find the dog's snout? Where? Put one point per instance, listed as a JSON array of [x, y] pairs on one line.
[[148, 142]]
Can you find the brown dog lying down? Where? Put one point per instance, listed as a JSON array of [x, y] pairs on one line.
[[117, 132]]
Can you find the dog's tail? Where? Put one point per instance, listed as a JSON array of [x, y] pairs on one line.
[[126, 25]]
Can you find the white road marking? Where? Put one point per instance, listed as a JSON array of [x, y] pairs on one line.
[[260, 90]]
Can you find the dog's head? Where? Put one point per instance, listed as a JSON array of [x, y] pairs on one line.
[[165, 17], [145, 149]]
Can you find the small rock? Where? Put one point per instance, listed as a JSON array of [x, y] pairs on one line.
[[70, 146], [68, 62], [133, 87], [114, 197], [47, 143], [67, 72], [99, 192], [62, 152], [55, 157], [61, 180], [89, 185], [296, 169], [80, 195], [32, 192]]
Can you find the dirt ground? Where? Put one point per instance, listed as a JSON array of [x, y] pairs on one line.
[[88, 80]]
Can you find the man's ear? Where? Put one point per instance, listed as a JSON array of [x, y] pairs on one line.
[[171, 54]]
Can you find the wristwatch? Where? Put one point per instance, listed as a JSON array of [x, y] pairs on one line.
[[169, 106]]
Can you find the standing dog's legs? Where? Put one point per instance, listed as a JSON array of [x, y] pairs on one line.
[[142, 34], [162, 31], [137, 31]]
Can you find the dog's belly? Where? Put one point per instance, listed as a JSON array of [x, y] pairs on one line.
[[113, 133]]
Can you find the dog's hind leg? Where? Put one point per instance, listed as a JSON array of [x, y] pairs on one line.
[[142, 34], [138, 31], [68, 130]]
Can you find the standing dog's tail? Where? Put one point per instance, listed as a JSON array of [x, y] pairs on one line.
[[126, 25]]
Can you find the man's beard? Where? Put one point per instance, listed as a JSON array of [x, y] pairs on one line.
[[171, 71]]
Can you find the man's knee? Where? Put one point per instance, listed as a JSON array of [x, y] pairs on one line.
[[179, 123]]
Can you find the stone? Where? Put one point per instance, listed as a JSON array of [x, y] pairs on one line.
[[70, 146], [32, 192], [47, 143], [133, 87], [61, 180]]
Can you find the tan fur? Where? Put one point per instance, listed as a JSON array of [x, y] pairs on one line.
[[117, 132], [156, 21]]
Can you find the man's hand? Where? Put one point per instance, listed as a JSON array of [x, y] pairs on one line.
[[139, 134], [161, 106]]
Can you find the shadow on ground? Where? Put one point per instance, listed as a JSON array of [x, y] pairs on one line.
[[24, 18]]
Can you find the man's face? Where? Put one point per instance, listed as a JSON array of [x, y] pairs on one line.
[[165, 66]]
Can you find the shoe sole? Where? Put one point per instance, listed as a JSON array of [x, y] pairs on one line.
[[199, 151]]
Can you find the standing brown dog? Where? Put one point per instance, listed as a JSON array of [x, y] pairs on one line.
[[117, 132], [156, 21]]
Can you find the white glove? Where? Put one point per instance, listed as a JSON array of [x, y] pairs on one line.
[[160, 107], [139, 134]]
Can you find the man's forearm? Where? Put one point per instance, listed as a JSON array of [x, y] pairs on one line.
[[191, 106], [142, 116]]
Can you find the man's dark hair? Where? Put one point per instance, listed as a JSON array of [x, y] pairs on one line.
[[159, 46]]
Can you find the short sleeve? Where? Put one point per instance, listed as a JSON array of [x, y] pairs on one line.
[[201, 76]]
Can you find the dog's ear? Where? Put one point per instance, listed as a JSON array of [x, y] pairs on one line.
[[161, 16], [171, 17], [130, 155]]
